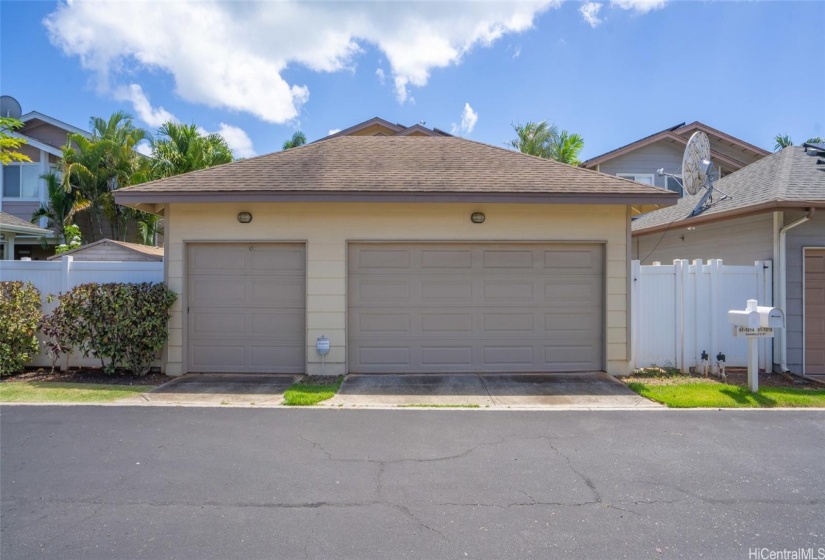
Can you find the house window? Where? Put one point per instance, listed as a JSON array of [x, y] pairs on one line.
[[672, 184], [21, 180], [646, 178]]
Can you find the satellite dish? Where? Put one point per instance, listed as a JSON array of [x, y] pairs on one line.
[[696, 162], [9, 107]]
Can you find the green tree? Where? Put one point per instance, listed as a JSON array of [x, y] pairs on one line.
[[782, 141], [181, 148], [61, 206], [298, 139], [99, 165], [10, 144], [543, 139], [815, 140]]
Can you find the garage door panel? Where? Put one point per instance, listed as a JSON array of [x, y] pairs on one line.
[[504, 322], [496, 308], [814, 332], [571, 261], [383, 356], [440, 259], [247, 308], [216, 259], [440, 291], [508, 258], [446, 356]]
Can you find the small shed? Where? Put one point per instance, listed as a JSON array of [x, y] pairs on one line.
[[111, 250]]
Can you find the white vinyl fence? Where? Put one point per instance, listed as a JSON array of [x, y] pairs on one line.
[[56, 277], [679, 310]]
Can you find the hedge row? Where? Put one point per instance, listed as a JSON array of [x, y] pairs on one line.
[[124, 325]]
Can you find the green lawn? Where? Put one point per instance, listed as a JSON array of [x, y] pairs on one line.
[[307, 393], [719, 395], [48, 391]]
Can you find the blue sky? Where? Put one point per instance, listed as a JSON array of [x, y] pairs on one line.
[[751, 69]]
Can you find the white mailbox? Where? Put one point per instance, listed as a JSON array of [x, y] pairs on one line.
[[755, 322]]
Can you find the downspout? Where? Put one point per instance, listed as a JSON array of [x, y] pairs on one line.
[[783, 336]]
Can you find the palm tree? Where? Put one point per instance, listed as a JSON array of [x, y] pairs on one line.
[[298, 139], [568, 147], [535, 138], [815, 140], [61, 206], [544, 140], [103, 163], [181, 148], [782, 142]]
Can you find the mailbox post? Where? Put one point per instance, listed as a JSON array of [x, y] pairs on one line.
[[753, 323]]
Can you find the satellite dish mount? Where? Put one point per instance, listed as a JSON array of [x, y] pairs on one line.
[[697, 171]]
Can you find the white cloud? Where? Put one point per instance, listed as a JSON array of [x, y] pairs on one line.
[[590, 12], [238, 140], [233, 54], [144, 148], [468, 121], [381, 77], [153, 116], [640, 6], [333, 131]]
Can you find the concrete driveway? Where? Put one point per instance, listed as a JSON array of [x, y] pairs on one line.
[[558, 390], [218, 389]]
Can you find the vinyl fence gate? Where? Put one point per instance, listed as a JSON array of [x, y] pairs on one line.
[[679, 310]]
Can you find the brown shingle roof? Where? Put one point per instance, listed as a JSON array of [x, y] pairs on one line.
[[143, 249], [396, 165], [789, 178], [11, 223]]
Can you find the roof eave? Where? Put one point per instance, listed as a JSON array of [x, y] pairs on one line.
[[736, 213], [144, 200]]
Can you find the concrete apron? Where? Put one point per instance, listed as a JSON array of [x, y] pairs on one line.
[[557, 390], [222, 389]]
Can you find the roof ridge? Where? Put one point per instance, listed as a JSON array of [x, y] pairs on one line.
[[783, 173]]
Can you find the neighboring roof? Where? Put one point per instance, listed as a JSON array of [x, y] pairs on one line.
[[680, 134], [788, 179], [156, 252], [13, 224], [393, 129], [393, 169], [35, 115]]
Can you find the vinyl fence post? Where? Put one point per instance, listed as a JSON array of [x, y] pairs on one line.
[[678, 335], [65, 286], [715, 311], [635, 278]]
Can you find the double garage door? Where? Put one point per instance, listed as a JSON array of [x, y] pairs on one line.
[[412, 308]]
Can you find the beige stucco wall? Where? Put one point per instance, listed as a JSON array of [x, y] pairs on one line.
[[327, 227]]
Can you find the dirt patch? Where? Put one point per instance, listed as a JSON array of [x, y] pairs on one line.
[[87, 375], [735, 376]]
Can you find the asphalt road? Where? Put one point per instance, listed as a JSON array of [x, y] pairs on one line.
[[196, 483]]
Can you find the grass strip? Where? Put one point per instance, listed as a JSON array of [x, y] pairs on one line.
[[50, 391], [720, 395], [308, 393]]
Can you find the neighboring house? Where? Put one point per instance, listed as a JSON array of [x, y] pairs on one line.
[[23, 189], [640, 160], [111, 250], [13, 228], [775, 211], [379, 127], [410, 253]]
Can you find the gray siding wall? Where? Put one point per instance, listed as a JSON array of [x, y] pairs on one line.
[[809, 234], [647, 159], [737, 242]]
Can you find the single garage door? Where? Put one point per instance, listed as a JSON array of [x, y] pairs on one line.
[[246, 308], [475, 308]]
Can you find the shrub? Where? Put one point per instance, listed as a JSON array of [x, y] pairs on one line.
[[122, 324], [55, 328], [19, 315]]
